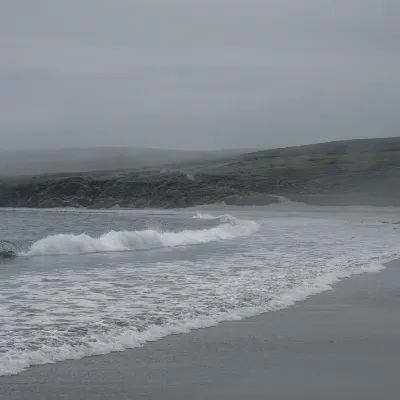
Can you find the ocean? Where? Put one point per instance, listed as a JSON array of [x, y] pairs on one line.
[[79, 283]]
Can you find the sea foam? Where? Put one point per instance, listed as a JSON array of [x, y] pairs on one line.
[[118, 241], [70, 311]]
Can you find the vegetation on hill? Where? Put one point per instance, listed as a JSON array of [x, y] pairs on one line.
[[345, 172], [81, 160]]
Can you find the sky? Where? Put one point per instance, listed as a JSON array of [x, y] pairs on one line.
[[197, 74]]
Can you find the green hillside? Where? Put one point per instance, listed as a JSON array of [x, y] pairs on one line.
[[344, 172]]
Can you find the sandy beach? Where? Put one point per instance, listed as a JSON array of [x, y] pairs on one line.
[[341, 344]]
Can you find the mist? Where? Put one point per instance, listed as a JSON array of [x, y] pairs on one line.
[[197, 75]]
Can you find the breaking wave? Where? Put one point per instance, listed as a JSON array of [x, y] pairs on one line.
[[53, 314], [225, 218], [118, 241], [9, 249], [201, 215]]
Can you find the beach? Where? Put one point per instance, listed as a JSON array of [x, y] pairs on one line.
[[340, 344]]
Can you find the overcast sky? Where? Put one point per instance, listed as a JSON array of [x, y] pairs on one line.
[[197, 73]]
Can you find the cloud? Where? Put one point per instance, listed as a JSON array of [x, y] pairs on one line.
[[197, 74]]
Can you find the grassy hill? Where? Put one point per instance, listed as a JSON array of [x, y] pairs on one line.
[[35, 162], [364, 166], [345, 172]]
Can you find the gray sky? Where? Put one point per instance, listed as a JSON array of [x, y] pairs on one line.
[[197, 73]]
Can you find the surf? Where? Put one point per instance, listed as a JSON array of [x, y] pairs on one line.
[[121, 241], [9, 249]]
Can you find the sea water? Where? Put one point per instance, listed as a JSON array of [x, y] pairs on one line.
[[82, 283]]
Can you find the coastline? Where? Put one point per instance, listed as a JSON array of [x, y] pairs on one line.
[[342, 343]]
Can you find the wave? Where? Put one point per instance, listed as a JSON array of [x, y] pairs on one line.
[[131, 337], [7, 254], [9, 249], [119, 241], [201, 215], [225, 218]]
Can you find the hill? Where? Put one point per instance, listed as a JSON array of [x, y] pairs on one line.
[[357, 170], [78, 160], [365, 171]]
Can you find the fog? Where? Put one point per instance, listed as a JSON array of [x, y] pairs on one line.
[[197, 74]]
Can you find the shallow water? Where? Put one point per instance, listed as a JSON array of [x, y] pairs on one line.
[[91, 282]]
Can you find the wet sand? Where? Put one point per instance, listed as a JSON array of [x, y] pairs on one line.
[[341, 344]]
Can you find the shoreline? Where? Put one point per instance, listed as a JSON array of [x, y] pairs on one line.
[[235, 200], [342, 343]]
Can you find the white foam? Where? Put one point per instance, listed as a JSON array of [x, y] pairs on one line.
[[201, 215], [139, 240], [17, 360], [225, 218], [118, 304]]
